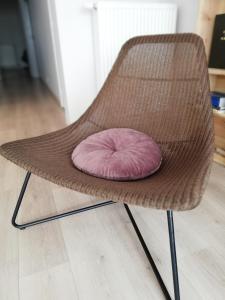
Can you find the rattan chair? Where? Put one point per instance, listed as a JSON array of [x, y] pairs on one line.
[[158, 85]]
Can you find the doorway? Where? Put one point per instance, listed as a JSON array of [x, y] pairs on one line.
[[17, 51]]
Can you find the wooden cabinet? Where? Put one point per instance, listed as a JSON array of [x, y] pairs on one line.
[[219, 126], [208, 9]]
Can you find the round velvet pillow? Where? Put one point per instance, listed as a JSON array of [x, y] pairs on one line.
[[118, 154]]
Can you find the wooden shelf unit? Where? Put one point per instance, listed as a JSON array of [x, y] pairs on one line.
[[218, 72], [208, 9]]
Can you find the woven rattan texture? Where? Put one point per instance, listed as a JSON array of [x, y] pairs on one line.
[[158, 85]]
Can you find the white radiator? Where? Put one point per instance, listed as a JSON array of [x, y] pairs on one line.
[[116, 22]]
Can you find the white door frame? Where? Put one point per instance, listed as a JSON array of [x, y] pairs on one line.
[[57, 51]]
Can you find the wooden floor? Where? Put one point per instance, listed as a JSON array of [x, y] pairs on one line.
[[96, 255]]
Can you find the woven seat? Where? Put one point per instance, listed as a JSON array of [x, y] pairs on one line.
[[158, 85]]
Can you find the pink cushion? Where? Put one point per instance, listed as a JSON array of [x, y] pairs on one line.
[[118, 154]]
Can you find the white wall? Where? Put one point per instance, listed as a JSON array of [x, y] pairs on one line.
[[76, 40], [187, 15], [12, 41], [45, 45]]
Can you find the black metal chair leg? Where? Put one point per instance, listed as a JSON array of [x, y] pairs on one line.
[[151, 261], [51, 218], [173, 254], [141, 239], [22, 192], [148, 254]]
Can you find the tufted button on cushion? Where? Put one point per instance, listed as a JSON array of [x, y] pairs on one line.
[[118, 154]]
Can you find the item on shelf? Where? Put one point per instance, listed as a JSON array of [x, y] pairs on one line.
[[218, 100], [217, 57]]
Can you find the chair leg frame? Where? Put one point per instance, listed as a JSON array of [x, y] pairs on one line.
[[140, 237], [51, 218]]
